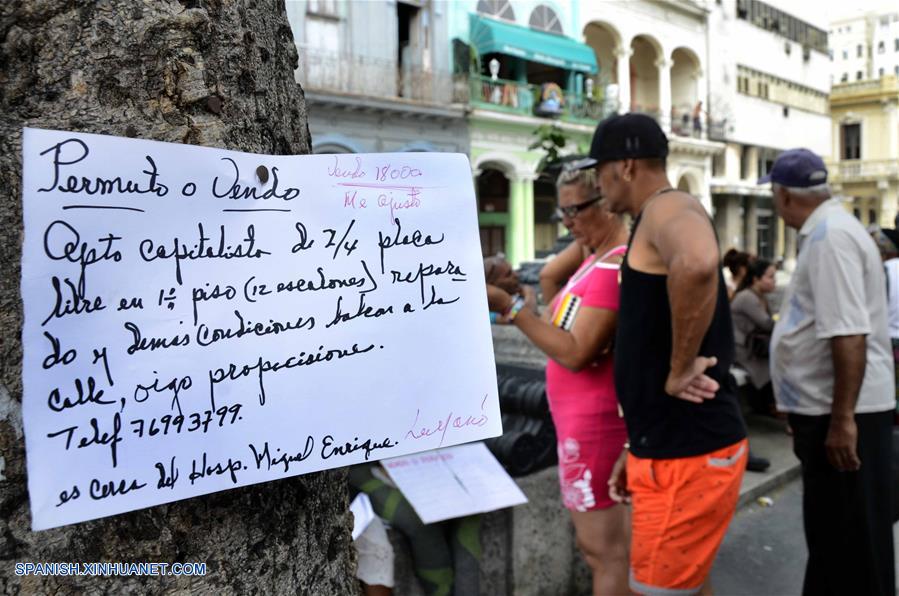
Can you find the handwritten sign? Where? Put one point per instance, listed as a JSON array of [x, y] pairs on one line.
[[199, 319], [454, 482]]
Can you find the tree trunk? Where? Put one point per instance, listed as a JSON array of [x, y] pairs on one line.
[[206, 72]]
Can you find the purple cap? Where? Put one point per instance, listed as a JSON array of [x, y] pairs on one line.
[[797, 168]]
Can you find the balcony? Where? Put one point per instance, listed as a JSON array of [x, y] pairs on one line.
[[865, 170], [531, 100], [887, 85], [371, 77]]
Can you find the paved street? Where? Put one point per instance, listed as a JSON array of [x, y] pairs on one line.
[[764, 551]]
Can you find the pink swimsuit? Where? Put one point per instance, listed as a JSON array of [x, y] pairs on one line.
[[584, 404]]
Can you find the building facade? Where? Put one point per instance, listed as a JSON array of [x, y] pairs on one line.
[[864, 106], [865, 168], [524, 67], [482, 76], [864, 47], [377, 76], [770, 81], [594, 58]]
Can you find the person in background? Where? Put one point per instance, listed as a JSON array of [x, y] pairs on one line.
[[374, 555], [445, 555], [581, 287], [498, 272], [735, 264], [887, 240], [752, 334], [753, 324], [832, 371], [697, 119], [687, 449]]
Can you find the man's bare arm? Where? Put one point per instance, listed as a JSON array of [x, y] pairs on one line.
[[849, 362], [685, 242]]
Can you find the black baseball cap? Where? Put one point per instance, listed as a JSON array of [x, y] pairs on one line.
[[626, 136]]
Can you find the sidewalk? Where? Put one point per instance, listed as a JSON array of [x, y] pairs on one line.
[[768, 439]]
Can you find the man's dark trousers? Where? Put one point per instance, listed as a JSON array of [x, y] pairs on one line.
[[847, 517]]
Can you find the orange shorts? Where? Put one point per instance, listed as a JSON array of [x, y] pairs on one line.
[[680, 512]]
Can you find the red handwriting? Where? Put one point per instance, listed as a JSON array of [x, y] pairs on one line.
[[444, 424], [384, 186], [349, 200], [387, 172], [336, 171], [428, 458], [411, 202]]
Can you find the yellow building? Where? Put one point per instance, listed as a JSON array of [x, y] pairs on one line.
[[865, 117]]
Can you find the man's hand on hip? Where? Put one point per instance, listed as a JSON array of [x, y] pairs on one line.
[[693, 384]]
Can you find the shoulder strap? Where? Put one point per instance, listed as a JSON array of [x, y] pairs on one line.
[[616, 251]]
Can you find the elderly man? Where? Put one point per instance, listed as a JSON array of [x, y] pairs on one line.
[[831, 369]]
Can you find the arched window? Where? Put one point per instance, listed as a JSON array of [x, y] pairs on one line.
[[501, 9], [331, 148], [544, 18]]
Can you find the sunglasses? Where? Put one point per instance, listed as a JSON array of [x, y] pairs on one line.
[[572, 210]]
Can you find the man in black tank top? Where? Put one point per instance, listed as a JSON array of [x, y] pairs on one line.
[[673, 350]]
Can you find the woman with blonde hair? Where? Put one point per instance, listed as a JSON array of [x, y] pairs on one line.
[[581, 287]]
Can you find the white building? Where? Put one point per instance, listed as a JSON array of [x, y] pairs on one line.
[[656, 53], [865, 47], [769, 79], [376, 76], [885, 45], [850, 48]]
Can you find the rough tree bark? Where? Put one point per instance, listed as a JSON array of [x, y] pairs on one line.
[[206, 72]]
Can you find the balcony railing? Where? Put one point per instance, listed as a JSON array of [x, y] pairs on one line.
[[373, 77], [885, 84], [875, 169], [531, 100]]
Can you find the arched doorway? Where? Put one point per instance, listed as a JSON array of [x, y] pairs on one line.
[[492, 188], [546, 228], [605, 41], [645, 75], [685, 71], [331, 148]]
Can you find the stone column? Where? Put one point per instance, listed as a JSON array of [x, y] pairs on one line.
[[753, 169], [664, 67], [779, 239], [728, 223], [520, 232], [892, 129], [789, 250], [517, 212], [623, 57], [750, 226], [528, 242], [889, 203]]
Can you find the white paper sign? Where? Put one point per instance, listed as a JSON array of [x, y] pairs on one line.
[[454, 482], [199, 319]]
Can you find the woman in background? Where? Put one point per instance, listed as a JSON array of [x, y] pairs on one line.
[[752, 332], [736, 264]]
